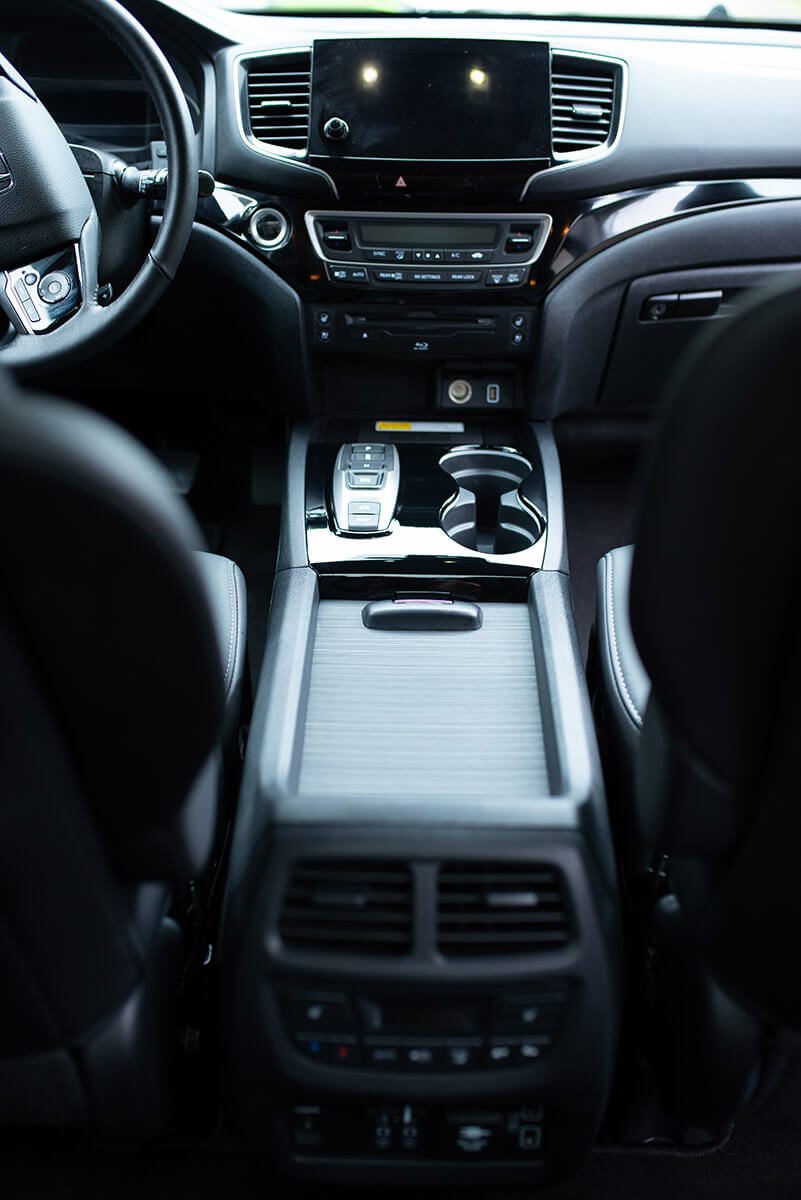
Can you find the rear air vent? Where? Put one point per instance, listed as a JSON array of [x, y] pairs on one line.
[[583, 103], [499, 908], [278, 98], [344, 906]]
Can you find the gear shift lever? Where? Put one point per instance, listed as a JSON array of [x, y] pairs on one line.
[[365, 487]]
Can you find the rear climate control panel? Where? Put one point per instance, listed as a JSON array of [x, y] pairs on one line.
[[419, 1035]]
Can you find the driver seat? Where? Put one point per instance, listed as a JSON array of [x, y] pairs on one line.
[[122, 671]]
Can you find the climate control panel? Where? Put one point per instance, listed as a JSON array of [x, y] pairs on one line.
[[450, 252], [419, 1036]]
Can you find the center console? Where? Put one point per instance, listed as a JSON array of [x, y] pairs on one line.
[[420, 940], [420, 944]]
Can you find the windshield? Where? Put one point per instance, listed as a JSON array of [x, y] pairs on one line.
[[737, 11]]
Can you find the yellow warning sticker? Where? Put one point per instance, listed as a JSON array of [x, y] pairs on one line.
[[419, 426]]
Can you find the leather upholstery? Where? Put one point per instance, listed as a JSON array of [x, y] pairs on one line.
[[621, 704], [626, 680], [225, 586], [122, 656], [715, 602]]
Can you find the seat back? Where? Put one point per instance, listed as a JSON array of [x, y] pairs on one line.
[[111, 700], [715, 605]]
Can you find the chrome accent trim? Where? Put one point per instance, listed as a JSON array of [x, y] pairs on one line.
[[266, 149], [313, 215], [275, 243]]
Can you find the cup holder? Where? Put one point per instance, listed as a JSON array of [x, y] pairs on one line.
[[489, 513]]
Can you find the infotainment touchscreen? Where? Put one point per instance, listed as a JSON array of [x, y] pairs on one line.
[[430, 99]]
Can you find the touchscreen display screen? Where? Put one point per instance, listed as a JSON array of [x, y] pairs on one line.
[[430, 99]]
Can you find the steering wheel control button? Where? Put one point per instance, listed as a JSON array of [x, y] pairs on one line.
[[55, 287]]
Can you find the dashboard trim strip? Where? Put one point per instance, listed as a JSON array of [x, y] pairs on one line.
[[608, 220]]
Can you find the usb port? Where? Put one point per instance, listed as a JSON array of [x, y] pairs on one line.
[[493, 393]]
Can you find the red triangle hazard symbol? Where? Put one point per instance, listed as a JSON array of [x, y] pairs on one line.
[[401, 182]]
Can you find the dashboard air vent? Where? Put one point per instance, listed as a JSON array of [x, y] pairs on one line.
[[486, 909], [343, 906], [278, 99], [583, 98]]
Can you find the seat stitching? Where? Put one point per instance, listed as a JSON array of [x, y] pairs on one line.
[[233, 626], [619, 672]]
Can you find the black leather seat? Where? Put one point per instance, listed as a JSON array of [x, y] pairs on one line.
[[698, 642], [122, 657]]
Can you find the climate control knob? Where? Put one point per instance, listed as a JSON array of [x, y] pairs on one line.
[[336, 129]]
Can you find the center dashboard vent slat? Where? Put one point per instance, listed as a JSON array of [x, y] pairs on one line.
[[489, 909], [279, 99], [341, 906], [584, 97]]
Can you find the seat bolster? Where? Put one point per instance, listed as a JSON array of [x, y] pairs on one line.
[[227, 594], [625, 681]]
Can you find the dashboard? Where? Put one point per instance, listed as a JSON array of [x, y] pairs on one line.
[[401, 201]]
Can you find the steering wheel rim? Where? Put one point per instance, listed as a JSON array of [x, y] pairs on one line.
[[93, 326]]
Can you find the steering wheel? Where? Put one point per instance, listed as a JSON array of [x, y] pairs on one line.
[[49, 228]]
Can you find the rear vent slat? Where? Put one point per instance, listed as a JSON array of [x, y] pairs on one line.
[[279, 99], [583, 97], [489, 909], [343, 906]]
